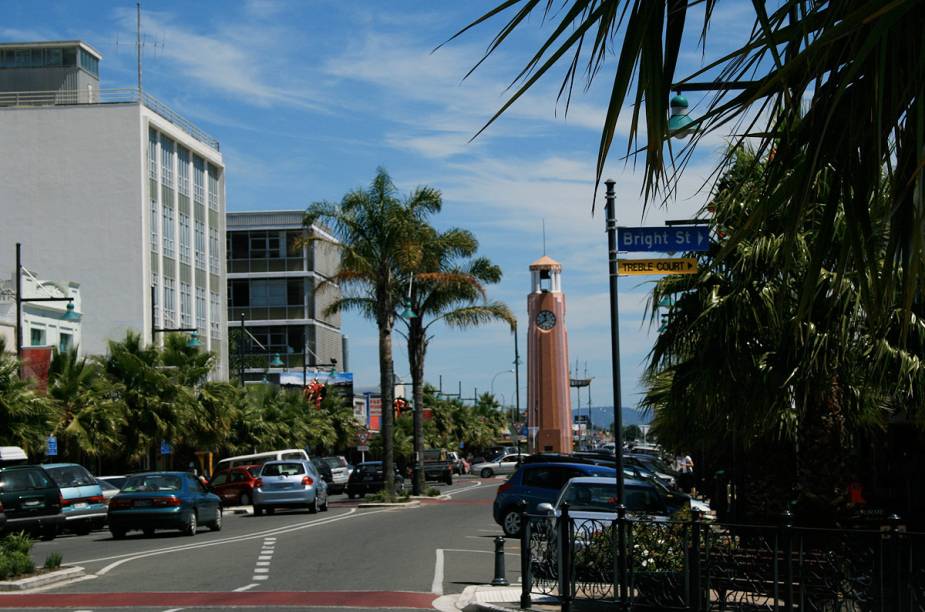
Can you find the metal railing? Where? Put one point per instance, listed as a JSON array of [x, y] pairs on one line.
[[65, 97], [700, 566]]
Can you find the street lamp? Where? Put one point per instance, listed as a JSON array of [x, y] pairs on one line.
[[193, 341], [497, 374], [69, 315], [679, 124]]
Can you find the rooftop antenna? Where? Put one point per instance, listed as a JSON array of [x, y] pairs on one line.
[[138, 45]]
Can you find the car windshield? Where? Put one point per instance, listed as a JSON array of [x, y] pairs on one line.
[[71, 476], [19, 480], [106, 486], [335, 462], [149, 483], [282, 469], [369, 468]]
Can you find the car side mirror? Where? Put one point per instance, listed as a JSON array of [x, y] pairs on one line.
[[546, 508]]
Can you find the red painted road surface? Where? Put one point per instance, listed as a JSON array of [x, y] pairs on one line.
[[262, 599]]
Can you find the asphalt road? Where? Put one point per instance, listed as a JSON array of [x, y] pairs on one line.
[[348, 557]]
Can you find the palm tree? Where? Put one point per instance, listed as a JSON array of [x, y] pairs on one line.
[[374, 228], [826, 86], [448, 287], [27, 418]]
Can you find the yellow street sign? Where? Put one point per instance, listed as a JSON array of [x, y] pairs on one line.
[[638, 267]]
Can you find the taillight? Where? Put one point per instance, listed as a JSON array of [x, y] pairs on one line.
[[96, 499], [116, 502], [166, 501], [258, 482], [307, 481], [504, 487], [63, 502]]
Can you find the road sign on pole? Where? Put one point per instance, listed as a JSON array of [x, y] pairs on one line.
[[52, 449], [663, 239], [165, 447], [639, 267]]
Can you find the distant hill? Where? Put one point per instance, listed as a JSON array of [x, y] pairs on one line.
[[602, 416]]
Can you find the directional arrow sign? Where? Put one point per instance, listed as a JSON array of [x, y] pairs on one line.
[[639, 267], [663, 239]]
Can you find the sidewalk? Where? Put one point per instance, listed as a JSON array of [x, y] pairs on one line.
[[484, 597]]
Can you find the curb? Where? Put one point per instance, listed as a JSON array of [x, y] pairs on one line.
[[411, 504], [33, 582]]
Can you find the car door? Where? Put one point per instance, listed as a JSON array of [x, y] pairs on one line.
[[220, 485], [508, 464], [206, 506]]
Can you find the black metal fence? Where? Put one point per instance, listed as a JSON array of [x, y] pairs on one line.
[[698, 566]]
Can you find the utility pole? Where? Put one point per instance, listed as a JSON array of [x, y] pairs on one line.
[[138, 47], [516, 390]]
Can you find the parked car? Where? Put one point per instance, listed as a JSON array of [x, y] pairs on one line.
[[235, 486], [502, 463], [109, 490], [261, 458], [460, 465], [290, 484], [595, 499], [82, 501], [653, 465], [324, 470], [163, 500], [2, 518], [12, 455], [369, 477], [536, 483], [340, 473], [438, 466], [31, 500], [116, 481]]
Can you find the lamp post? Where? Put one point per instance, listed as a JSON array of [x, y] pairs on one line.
[[516, 391], [241, 350], [193, 341], [69, 315], [497, 374]]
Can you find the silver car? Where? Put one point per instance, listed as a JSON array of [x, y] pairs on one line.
[[293, 483], [340, 474], [502, 463]]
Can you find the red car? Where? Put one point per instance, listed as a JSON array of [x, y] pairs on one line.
[[235, 486]]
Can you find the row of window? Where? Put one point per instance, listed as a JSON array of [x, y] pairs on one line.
[[186, 314], [168, 229], [264, 244], [50, 56], [266, 293], [200, 169], [37, 338]]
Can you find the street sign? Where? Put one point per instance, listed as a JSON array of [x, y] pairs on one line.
[[52, 446], [663, 239], [165, 447], [362, 449], [637, 267]]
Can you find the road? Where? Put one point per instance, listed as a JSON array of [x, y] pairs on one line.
[[348, 557]]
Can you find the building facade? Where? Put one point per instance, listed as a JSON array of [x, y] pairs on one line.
[[44, 324], [116, 190], [275, 291]]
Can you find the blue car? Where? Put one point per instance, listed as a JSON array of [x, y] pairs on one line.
[[163, 500], [537, 483], [82, 501]]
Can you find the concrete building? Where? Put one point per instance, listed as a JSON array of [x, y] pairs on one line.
[[115, 189], [44, 324], [274, 280]]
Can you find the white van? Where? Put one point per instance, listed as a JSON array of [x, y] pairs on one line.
[[12, 455], [261, 458]]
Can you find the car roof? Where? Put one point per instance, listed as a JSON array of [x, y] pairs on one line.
[[585, 466], [607, 480], [160, 473], [21, 466], [59, 465]]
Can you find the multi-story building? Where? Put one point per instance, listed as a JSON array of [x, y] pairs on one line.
[[44, 324], [115, 190], [277, 291]]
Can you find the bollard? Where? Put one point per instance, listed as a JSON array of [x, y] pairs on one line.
[[526, 577], [499, 579]]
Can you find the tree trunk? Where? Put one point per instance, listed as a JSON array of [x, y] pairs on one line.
[[387, 390], [416, 349]]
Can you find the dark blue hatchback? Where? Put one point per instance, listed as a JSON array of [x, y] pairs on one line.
[[537, 483]]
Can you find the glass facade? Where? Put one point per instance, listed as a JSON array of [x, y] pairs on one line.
[[201, 310], [166, 161], [156, 297], [200, 245], [215, 314], [47, 57], [184, 238], [168, 231], [89, 63], [267, 299], [186, 305], [265, 251], [213, 251], [213, 187], [152, 154], [183, 170], [154, 218], [170, 297], [199, 189]]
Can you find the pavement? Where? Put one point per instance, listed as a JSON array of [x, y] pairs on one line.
[[384, 558]]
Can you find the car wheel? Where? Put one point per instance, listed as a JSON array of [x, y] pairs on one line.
[[486, 473], [148, 531], [313, 507], [82, 530], [117, 534], [245, 500], [258, 510], [49, 533], [351, 495], [191, 525], [449, 478], [512, 524], [217, 523]]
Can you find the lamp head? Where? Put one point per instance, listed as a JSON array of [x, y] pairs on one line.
[[194, 341], [679, 124], [408, 313], [276, 362], [71, 313]]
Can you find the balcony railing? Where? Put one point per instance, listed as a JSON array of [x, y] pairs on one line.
[[67, 97], [243, 266], [266, 313]]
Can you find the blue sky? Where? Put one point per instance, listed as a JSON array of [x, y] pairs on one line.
[[308, 98]]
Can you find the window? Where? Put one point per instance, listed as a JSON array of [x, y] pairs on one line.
[[213, 187], [37, 337], [65, 342], [152, 156], [219, 479], [268, 293], [186, 305], [200, 245], [168, 231], [213, 251], [183, 170], [166, 161], [154, 219], [264, 245], [89, 63], [199, 189], [54, 57], [184, 238], [201, 310], [214, 313], [155, 297], [169, 302], [549, 477]]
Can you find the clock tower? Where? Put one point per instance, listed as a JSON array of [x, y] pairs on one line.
[[549, 409]]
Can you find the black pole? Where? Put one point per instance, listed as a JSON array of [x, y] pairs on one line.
[[516, 389], [304, 360], [19, 306], [153, 314], [615, 334], [241, 352]]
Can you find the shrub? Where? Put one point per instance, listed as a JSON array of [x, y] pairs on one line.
[[17, 542], [432, 492], [53, 561], [21, 564]]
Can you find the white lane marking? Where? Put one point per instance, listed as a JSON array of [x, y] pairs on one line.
[[436, 586], [245, 588], [261, 570], [263, 563], [164, 551], [173, 610], [264, 557], [487, 552], [450, 494], [259, 577]]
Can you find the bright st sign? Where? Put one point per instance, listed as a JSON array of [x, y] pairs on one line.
[[639, 267], [663, 239]]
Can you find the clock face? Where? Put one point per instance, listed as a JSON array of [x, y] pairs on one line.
[[545, 319]]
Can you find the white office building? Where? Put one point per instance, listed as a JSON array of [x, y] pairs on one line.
[[115, 190]]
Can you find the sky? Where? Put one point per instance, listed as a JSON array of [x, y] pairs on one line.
[[309, 98]]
